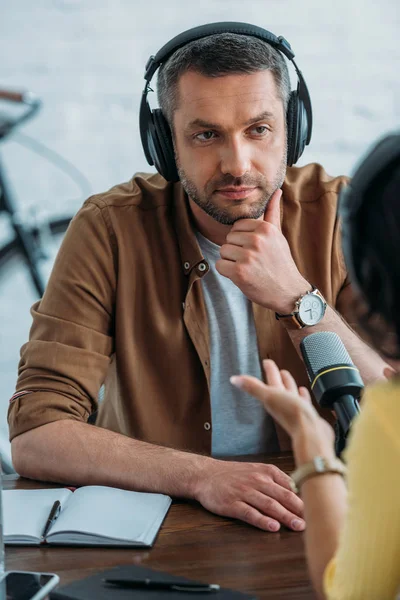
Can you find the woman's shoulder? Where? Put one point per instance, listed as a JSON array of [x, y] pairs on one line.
[[383, 397], [379, 416]]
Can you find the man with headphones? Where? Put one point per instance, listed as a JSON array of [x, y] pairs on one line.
[[168, 284]]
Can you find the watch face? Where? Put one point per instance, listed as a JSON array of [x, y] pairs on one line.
[[311, 309]]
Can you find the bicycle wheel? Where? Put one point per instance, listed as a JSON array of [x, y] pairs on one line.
[[17, 294]]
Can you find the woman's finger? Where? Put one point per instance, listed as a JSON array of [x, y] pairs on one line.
[[251, 385], [289, 382], [305, 394], [277, 401], [283, 406], [272, 374]]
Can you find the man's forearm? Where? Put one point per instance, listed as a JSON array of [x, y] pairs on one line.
[[369, 363], [77, 453]]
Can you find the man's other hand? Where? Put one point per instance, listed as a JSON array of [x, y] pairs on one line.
[[255, 493]]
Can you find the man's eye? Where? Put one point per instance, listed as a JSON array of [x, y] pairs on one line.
[[260, 130], [205, 136]]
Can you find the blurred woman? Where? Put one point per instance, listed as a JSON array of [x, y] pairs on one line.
[[353, 531]]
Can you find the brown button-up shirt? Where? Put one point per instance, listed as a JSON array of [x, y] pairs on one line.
[[124, 306]]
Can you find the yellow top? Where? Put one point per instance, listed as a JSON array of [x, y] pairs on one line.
[[367, 564]]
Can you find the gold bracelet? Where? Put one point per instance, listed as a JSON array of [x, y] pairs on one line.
[[318, 466]]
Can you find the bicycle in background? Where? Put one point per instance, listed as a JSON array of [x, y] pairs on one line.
[[32, 242], [27, 253]]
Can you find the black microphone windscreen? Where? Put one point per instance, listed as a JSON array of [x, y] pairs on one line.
[[321, 350]]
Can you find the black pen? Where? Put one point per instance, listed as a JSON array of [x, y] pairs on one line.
[[55, 511], [151, 584]]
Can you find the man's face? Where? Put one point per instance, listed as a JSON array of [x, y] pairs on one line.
[[230, 143]]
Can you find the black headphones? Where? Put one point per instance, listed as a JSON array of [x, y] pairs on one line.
[[155, 132], [375, 166]]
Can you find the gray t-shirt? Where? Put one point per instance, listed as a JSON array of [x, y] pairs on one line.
[[240, 424]]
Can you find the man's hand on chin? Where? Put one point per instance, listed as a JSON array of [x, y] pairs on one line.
[[256, 257], [255, 493]]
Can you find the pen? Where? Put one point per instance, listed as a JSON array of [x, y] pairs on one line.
[[55, 511], [163, 585]]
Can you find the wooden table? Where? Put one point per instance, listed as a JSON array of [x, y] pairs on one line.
[[194, 543]]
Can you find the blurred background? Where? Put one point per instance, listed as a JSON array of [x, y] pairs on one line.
[[85, 59]]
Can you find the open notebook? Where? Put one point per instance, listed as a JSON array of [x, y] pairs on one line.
[[90, 516]]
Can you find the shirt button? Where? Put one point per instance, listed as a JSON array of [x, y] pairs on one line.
[[202, 267], [207, 426], [186, 265]]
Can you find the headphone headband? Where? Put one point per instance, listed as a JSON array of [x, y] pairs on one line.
[[202, 31], [379, 158]]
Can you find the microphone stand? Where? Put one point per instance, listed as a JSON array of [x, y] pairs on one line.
[[340, 440], [344, 410]]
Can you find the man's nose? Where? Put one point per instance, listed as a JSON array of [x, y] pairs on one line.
[[235, 158]]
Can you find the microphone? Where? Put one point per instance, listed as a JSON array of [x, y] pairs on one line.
[[335, 381]]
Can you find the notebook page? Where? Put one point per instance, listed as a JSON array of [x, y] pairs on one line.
[[113, 514], [25, 512]]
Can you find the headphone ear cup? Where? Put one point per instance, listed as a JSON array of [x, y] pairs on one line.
[[291, 125], [165, 155], [297, 128]]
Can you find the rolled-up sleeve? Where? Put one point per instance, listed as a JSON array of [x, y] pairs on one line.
[[65, 361]]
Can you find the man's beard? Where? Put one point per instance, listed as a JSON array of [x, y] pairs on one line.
[[223, 215]]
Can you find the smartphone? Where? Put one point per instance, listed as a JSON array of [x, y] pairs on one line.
[[25, 585]]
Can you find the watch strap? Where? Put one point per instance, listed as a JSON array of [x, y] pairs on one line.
[[318, 466], [290, 321]]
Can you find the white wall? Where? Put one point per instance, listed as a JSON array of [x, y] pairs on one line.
[[86, 60]]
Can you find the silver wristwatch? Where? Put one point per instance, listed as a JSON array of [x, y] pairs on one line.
[[309, 310]]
